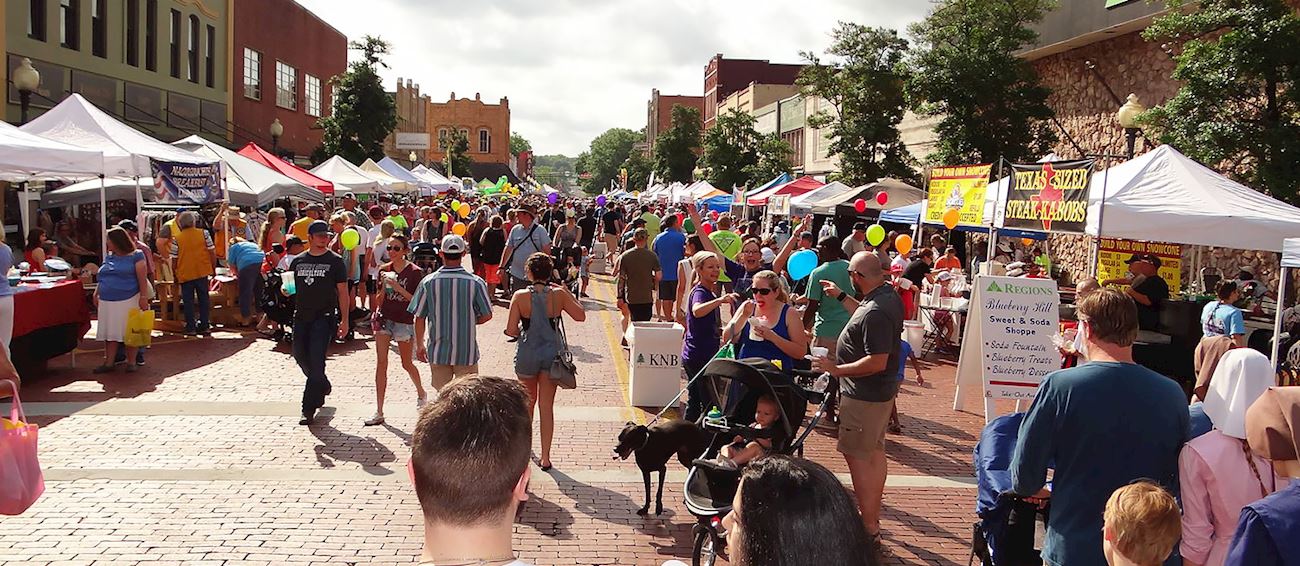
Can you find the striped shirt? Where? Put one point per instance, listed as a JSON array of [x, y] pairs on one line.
[[451, 300]]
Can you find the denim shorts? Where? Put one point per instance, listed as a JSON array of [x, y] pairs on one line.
[[400, 332]]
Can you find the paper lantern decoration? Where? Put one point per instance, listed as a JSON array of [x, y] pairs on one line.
[[600, 200], [349, 239], [875, 234], [950, 218], [802, 263], [882, 198], [553, 198], [458, 228], [903, 243], [860, 206]]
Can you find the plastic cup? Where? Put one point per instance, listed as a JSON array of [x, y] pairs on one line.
[[287, 282], [819, 351], [754, 323]]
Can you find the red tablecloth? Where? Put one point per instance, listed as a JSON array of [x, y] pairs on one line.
[[64, 303]]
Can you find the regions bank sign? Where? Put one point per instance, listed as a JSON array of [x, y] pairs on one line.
[[1114, 3]]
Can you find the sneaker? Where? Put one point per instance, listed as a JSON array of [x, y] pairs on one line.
[[378, 419], [307, 417]]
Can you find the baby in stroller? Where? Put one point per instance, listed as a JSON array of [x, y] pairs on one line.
[[740, 452]]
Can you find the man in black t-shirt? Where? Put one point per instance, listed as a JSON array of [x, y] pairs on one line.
[[1146, 288], [612, 222], [588, 226], [866, 363], [321, 313], [919, 270]]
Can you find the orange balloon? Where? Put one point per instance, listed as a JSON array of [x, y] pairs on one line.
[[950, 218], [1027, 241], [903, 243], [458, 228]]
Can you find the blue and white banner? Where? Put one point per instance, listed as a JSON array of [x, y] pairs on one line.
[[187, 183]]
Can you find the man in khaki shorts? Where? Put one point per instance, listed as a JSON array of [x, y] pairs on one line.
[[866, 363], [450, 303]]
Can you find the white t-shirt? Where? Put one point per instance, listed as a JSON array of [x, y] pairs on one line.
[[380, 251], [285, 261]]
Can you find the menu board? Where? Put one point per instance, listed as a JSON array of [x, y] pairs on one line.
[[1112, 255], [961, 188], [1012, 321]]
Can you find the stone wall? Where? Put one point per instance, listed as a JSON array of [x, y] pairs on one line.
[[1086, 112]]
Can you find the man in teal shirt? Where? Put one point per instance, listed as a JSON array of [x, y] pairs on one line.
[[826, 315]]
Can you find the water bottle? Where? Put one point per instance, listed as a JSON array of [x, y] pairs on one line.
[[823, 381]]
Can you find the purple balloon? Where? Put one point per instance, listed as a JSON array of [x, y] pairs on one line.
[[600, 200], [553, 198]]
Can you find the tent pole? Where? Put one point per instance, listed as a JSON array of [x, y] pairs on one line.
[[103, 219], [1277, 319], [23, 204], [139, 206], [993, 230], [1101, 215]]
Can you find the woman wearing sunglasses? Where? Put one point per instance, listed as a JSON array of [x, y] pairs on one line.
[[764, 327], [398, 280]]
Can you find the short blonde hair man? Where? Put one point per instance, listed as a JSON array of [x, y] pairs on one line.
[[1142, 525]]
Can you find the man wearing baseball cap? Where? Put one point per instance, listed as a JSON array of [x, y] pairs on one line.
[[350, 205], [1146, 287], [526, 238], [856, 241], [320, 314], [449, 304], [313, 212]]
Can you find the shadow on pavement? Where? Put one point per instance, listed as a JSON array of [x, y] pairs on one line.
[[338, 446], [547, 518], [615, 507]]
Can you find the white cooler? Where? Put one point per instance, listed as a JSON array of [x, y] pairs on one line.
[[656, 362], [598, 251]]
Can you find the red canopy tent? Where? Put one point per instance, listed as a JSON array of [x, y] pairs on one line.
[[256, 153], [793, 188]]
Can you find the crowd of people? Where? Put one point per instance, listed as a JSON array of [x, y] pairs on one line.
[[422, 276]]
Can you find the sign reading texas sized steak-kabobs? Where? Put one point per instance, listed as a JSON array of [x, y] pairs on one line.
[[1049, 197]]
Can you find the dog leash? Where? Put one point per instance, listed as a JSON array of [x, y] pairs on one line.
[[698, 375]]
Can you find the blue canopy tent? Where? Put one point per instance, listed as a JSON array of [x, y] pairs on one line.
[[720, 203]]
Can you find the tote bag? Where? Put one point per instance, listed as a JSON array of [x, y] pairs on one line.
[[139, 328], [23, 482]]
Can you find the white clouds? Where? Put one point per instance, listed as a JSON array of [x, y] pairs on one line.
[[573, 68]]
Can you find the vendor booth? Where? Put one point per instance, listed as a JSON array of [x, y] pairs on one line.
[[390, 183], [347, 177], [259, 155], [792, 189], [434, 179]]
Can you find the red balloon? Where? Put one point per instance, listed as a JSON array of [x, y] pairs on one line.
[[681, 218], [706, 229], [860, 205], [882, 198]]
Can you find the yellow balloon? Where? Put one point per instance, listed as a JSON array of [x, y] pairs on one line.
[[903, 243], [458, 228], [950, 218]]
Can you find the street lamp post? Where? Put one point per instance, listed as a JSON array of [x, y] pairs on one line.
[[412, 157], [277, 130], [1128, 119], [26, 79]]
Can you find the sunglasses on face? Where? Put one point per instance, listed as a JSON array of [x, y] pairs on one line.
[[395, 248], [762, 291]]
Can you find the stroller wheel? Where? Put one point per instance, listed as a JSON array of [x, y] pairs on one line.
[[707, 547]]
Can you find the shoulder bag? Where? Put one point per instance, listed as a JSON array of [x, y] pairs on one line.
[[505, 264], [563, 371]]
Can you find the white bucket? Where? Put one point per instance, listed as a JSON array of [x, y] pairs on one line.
[[914, 333]]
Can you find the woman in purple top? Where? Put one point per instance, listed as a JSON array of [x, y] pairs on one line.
[[702, 322]]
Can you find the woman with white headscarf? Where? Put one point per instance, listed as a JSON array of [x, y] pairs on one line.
[[1218, 473]]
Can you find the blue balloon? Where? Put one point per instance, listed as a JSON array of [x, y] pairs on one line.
[[801, 264]]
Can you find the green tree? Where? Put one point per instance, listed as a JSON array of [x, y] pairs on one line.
[[674, 154], [602, 160], [773, 159], [638, 171], [364, 115], [519, 144], [730, 150], [457, 160], [865, 92], [964, 70], [1239, 104]]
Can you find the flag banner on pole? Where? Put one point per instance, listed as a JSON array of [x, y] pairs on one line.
[[187, 183], [961, 187], [1049, 197]]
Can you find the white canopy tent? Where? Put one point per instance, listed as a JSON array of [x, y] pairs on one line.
[[832, 193], [346, 176], [28, 157], [126, 151], [390, 182], [1290, 260], [263, 184], [436, 180]]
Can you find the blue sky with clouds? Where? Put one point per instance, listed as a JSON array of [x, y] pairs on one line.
[[573, 68]]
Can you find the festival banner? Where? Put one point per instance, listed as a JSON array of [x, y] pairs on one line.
[[187, 183], [1049, 197], [961, 187], [1112, 255]]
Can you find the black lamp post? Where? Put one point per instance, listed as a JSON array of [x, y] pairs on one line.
[[26, 79], [277, 130], [1128, 119]]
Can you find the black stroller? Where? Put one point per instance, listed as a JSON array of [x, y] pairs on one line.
[[737, 384], [1005, 533], [278, 308]]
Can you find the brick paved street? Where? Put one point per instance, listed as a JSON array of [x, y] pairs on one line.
[[198, 459]]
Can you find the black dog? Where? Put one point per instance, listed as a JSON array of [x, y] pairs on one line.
[[655, 445]]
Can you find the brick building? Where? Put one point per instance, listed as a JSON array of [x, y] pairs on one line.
[[283, 59], [412, 118], [722, 77], [659, 114], [487, 126]]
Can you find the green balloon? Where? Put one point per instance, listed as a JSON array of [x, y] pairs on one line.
[[689, 226], [349, 239], [875, 234]]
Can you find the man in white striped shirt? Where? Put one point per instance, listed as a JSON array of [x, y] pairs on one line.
[[450, 303]]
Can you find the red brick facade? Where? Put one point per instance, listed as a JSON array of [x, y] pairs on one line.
[[659, 113], [725, 76], [282, 31], [487, 126]]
